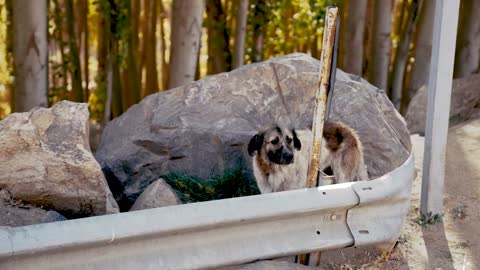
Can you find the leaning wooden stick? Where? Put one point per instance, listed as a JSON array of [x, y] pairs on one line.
[[325, 82], [322, 93]]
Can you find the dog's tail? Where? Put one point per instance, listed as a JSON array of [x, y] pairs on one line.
[[342, 140], [340, 137]]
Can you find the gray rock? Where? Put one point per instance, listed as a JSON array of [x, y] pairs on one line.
[[203, 128], [45, 160], [157, 194], [14, 214], [464, 104]]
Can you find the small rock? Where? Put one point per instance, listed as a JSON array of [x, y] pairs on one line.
[[157, 194], [14, 214]]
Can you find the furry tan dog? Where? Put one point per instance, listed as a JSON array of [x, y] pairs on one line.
[[280, 163]]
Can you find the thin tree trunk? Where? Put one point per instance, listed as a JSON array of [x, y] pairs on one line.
[[423, 48], [287, 18], [354, 32], [218, 48], [58, 19], [186, 33], [343, 13], [258, 29], [241, 31], [382, 42], [131, 78], [30, 54], [314, 47], [81, 12], [467, 55], [75, 68], [104, 78], [144, 42], [109, 91], [115, 83], [151, 59], [368, 40], [259, 47], [135, 19], [9, 52], [86, 52], [401, 56], [398, 16], [230, 11], [163, 43]]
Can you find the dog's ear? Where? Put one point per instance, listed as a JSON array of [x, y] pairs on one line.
[[255, 144], [296, 142]]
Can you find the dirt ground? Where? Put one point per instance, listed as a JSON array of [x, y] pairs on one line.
[[453, 243]]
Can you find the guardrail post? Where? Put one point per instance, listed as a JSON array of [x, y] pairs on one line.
[[438, 106]]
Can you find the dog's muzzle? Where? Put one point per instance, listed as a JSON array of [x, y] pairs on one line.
[[287, 157]]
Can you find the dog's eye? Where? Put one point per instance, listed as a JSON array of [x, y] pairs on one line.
[[275, 141], [288, 139]]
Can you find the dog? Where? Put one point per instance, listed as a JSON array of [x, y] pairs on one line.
[[280, 165]]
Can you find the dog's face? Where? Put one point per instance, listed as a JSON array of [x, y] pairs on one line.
[[277, 144]]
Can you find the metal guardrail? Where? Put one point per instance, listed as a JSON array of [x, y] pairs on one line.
[[219, 233]]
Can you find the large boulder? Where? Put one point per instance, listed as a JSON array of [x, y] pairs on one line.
[[203, 127], [157, 194], [464, 104], [45, 160]]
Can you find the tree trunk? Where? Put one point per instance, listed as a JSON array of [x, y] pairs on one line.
[[257, 29], [132, 78], [103, 78], [151, 85], [368, 40], [58, 19], [218, 48], [381, 46], [30, 54], [9, 53], [163, 43], [354, 31], [115, 83], [135, 21], [144, 42], [286, 11], [186, 32], [86, 52], [75, 68], [108, 90], [343, 10], [467, 55], [398, 15], [240, 34], [423, 48], [401, 56]]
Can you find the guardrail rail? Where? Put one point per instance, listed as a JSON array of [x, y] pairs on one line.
[[219, 233]]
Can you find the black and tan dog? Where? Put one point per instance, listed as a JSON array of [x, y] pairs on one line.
[[280, 163]]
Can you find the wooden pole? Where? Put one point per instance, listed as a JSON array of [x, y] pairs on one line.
[[325, 82], [438, 106], [322, 93]]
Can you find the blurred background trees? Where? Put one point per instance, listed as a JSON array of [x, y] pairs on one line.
[[112, 53]]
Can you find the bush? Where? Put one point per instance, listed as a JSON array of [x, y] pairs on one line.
[[233, 183]]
